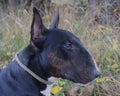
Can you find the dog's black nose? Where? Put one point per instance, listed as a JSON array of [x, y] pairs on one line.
[[97, 73]]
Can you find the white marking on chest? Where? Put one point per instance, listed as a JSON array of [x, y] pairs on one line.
[[46, 92]]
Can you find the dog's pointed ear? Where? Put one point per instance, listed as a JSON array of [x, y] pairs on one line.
[[55, 21], [37, 27]]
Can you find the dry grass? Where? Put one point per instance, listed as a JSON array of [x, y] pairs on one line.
[[102, 41]]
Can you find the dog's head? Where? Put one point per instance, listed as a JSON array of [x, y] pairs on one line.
[[61, 53]]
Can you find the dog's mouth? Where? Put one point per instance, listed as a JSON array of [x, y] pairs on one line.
[[77, 80]]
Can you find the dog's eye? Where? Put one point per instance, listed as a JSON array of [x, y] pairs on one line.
[[68, 45]]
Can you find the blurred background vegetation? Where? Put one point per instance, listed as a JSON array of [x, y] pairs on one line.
[[95, 22]]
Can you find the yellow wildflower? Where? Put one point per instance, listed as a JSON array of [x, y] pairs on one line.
[[104, 79], [55, 90], [115, 66], [8, 53], [99, 80]]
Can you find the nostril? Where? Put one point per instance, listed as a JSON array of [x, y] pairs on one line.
[[97, 73]]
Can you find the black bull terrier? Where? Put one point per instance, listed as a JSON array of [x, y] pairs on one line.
[[51, 52]]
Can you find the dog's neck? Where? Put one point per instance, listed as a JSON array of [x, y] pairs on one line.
[[29, 57]]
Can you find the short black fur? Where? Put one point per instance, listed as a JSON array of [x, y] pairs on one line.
[[51, 52]]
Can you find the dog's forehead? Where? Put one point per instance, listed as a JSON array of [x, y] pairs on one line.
[[60, 34]]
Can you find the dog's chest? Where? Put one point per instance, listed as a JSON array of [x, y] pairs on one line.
[[46, 92]]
